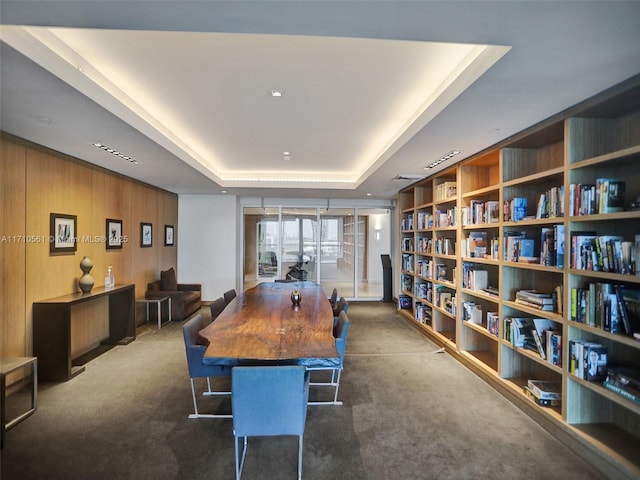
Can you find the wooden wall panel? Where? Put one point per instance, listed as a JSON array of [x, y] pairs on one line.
[[12, 248], [34, 182]]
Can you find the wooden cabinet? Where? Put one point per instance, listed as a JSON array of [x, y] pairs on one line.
[[538, 212]]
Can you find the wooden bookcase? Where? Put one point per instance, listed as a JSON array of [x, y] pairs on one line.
[[597, 139]]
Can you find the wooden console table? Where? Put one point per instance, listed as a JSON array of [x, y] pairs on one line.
[[52, 328]]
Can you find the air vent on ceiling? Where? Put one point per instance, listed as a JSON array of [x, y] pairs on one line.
[[408, 177]]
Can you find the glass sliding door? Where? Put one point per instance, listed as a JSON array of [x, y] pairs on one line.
[[261, 245], [337, 247], [299, 243]]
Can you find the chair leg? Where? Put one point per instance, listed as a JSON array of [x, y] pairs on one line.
[[196, 414], [240, 461], [299, 457], [335, 382], [209, 392]]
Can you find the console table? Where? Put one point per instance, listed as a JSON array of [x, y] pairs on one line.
[[52, 328]]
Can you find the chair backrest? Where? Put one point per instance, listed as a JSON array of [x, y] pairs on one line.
[[229, 295], [194, 344], [217, 307], [341, 306], [340, 333], [333, 298], [269, 400]]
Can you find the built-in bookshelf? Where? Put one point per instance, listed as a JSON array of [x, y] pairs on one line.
[[540, 233]]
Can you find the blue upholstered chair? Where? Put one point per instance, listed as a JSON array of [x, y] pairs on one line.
[[229, 295], [195, 346], [333, 298], [268, 401], [341, 306], [217, 307], [340, 333]]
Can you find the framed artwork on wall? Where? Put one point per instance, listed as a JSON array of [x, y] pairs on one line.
[[62, 233], [146, 237], [168, 235], [114, 234]]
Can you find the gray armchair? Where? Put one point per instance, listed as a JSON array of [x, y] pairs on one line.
[[186, 298]]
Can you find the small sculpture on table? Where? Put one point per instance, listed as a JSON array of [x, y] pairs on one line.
[[296, 297]]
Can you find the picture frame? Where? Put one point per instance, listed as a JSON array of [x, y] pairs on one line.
[[113, 234], [62, 233], [168, 235], [146, 234]]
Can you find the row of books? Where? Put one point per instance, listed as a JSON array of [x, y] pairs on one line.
[[425, 291], [514, 210], [474, 278], [613, 307], [407, 223], [425, 220], [406, 282], [604, 196], [423, 313], [439, 246], [604, 253], [446, 218], [407, 262], [544, 393], [551, 203], [540, 335], [588, 360], [625, 381], [547, 302], [407, 244], [481, 212]]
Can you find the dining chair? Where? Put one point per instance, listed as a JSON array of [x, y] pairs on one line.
[[341, 306], [333, 298], [195, 346], [217, 306], [340, 333], [229, 295], [268, 401]]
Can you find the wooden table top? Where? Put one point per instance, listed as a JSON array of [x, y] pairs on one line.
[[263, 324]]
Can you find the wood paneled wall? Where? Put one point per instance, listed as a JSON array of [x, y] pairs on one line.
[[34, 182]]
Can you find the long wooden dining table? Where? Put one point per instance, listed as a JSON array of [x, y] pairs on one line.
[[263, 326]]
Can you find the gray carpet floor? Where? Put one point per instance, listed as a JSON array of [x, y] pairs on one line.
[[409, 413]]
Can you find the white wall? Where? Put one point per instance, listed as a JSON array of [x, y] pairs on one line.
[[381, 223], [208, 242]]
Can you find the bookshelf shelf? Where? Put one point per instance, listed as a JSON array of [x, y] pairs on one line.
[[532, 178]]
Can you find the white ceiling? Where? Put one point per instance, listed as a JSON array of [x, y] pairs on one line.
[[372, 90]]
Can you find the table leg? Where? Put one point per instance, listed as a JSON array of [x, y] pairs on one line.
[[169, 308], [159, 315]]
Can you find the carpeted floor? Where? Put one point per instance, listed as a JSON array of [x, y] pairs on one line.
[[409, 413]]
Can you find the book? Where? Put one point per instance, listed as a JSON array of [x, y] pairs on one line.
[[535, 297], [543, 402], [609, 385], [522, 335], [628, 301], [595, 362], [611, 196], [477, 244], [546, 390], [625, 375]]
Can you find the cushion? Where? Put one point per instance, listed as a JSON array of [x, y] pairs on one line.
[[168, 280]]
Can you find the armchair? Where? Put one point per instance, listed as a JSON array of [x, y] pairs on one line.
[[185, 297]]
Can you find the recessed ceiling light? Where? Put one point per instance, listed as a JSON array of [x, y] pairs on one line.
[[44, 119], [116, 153], [444, 158], [277, 93], [223, 191], [368, 194]]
